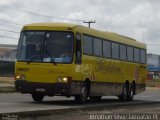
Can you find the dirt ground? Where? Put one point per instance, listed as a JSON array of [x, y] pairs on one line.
[[145, 112], [9, 80]]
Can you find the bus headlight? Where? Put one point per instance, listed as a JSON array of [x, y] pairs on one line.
[[20, 77], [64, 79]]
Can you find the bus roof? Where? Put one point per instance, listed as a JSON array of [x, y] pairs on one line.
[[101, 34], [48, 26]]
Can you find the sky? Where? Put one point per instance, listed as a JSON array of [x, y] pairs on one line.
[[138, 19]]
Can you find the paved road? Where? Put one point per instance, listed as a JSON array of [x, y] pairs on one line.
[[16, 102]]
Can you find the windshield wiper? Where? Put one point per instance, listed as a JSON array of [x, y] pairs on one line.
[[50, 57]]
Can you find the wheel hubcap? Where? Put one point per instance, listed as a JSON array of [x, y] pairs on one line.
[[131, 93]]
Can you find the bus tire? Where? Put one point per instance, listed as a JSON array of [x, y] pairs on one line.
[[131, 93], [37, 97], [124, 95], [82, 97]]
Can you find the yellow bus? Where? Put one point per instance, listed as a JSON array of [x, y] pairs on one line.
[[60, 59]]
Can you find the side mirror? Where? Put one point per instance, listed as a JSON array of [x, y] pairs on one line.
[[78, 49]]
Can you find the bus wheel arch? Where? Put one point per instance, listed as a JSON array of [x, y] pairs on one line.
[[127, 83]]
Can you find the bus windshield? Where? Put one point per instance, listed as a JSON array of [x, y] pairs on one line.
[[45, 46]]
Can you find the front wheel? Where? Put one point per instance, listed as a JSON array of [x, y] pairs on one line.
[[37, 97], [82, 97]]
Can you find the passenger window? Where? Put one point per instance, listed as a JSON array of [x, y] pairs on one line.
[[87, 44], [129, 53], [106, 49], [123, 52], [143, 56], [97, 47], [115, 50], [136, 55]]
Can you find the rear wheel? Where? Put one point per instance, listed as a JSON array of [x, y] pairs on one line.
[[37, 97], [124, 95], [131, 93], [82, 97]]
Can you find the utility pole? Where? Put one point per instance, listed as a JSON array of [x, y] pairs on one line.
[[89, 22]]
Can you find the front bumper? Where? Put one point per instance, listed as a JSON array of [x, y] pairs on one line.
[[50, 89]]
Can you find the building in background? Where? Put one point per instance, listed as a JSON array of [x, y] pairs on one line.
[[7, 59], [8, 52], [153, 66]]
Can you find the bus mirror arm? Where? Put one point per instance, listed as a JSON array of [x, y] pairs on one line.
[[78, 49]]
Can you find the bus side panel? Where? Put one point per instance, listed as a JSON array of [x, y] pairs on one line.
[[109, 76], [102, 83]]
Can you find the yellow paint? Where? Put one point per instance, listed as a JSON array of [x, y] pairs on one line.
[[95, 68]]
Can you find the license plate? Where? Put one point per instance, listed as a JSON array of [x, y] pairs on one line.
[[40, 90]]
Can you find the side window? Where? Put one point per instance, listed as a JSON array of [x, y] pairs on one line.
[[143, 56], [115, 50], [87, 44], [106, 49], [97, 47], [136, 55], [123, 52], [129, 53]]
